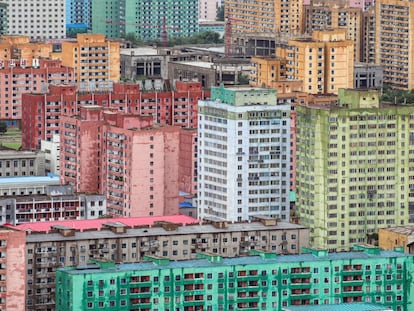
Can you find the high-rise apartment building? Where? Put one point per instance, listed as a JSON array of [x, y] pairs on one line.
[[38, 19], [394, 30], [264, 16], [324, 63], [127, 157], [328, 14], [261, 282], [243, 154], [173, 107], [146, 19], [79, 12], [368, 36], [18, 78], [354, 168], [92, 57], [207, 10], [12, 269]]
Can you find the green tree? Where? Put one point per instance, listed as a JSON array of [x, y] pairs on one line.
[[131, 37], [220, 13], [3, 127]]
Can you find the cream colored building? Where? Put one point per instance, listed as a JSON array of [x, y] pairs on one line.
[[395, 50], [328, 14], [93, 58], [324, 62], [267, 71]]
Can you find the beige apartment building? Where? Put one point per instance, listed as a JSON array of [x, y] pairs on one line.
[[324, 62], [263, 16], [395, 30], [328, 14], [65, 246]]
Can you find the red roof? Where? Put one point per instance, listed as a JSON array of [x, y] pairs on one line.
[[81, 225]]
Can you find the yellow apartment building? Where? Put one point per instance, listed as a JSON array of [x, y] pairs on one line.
[[20, 47], [263, 16], [328, 14], [395, 50], [324, 62], [267, 71], [93, 58]]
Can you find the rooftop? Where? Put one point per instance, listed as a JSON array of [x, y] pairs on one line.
[[52, 179], [155, 230], [340, 307], [239, 261], [97, 224]]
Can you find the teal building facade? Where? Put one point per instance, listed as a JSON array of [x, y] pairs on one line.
[[263, 281]]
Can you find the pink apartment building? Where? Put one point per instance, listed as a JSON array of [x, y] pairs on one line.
[[127, 157], [12, 269], [18, 77], [41, 111]]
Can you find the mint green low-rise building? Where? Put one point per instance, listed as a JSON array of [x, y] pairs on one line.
[[263, 281]]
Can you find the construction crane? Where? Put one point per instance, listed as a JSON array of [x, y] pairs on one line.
[[164, 27], [228, 33]]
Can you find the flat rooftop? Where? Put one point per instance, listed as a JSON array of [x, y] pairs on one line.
[[5, 181], [187, 228], [141, 51], [240, 261], [339, 307], [90, 224]]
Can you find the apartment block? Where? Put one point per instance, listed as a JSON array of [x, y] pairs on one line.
[[394, 19], [21, 163], [267, 71], [323, 62], [44, 256], [22, 48], [146, 19], [265, 16], [264, 281], [51, 150], [353, 168], [51, 245], [173, 107], [78, 12], [243, 155], [328, 14], [17, 78], [37, 19], [27, 185], [92, 57], [58, 203], [12, 269], [397, 237], [368, 36], [127, 157]]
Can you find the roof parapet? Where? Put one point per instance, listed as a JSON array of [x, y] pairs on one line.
[[263, 254], [367, 249], [160, 261], [210, 257], [317, 252]]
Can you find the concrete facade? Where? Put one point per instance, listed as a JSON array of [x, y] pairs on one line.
[[51, 150], [66, 246], [17, 79], [21, 163], [140, 171], [78, 12], [36, 18], [353, 164], [324, 62], [58, 203], [394, 237], [261, 282], [145, 18], [92, 57], [368, 76], [244, 155], [395, 55], [173, 107], [12, 270]]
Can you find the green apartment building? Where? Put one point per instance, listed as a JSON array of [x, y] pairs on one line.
[[145, 18], [264, 281], [355, 168]]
